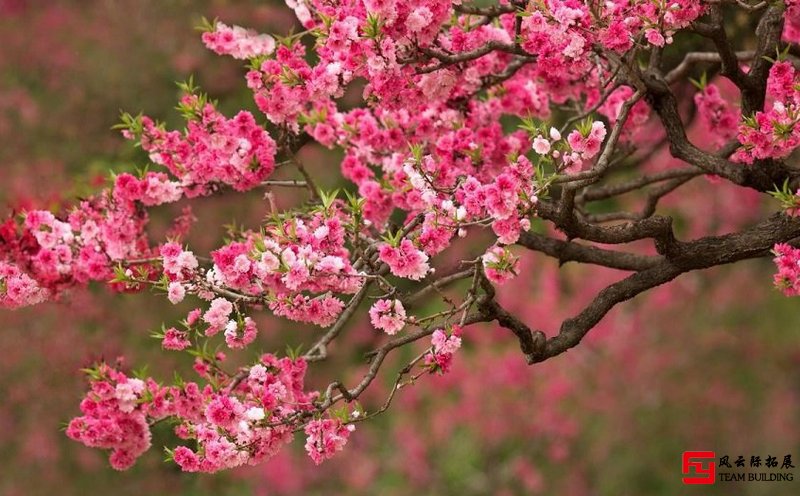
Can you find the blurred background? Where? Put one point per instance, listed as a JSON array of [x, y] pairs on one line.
[[709, 362]]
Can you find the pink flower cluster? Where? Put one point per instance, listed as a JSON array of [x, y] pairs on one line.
[[17, 289], [499, 264], [241, 426], [155, 188], [239, 335], [176, 292], [388, 316], [238, 42], [325, 437], [612, 108], [290, 91], [443, 348], [212, 151], [217, 315], [773, 133], [656, 21], [405, 260], [56, 253], [50, 254], [178, 264], [236, 423], [582, 144], [791, 28], [113, 418], [319, 310], [508, 200], [787, 260], [282, 89], [424, 148], [175, 339], [585, 145], [299, 256], [718, 117], [560, 30], [178, 340]]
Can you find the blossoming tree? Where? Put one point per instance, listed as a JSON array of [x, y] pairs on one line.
[[483, 130]]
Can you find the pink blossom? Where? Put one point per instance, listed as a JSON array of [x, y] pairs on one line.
[[177, 263], [176, 292], [405, 260], [113, 420], [719, 119], [654, 37], [223, 411], [217, 315], [617, 37], [437, 85], [541, 145], [443, 349], [175, 340], [388, 316], [787, 260], [418, 19], [17, 289], [238, 42], [325, 437], [238, 337], [433, 151], [499, 264]]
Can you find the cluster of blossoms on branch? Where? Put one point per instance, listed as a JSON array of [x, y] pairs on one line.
[[238, 42], [774, 133], [46, 254], [213, 150], [456, 136], [245, 422], [787, 259], [791, 33], [443, 349], [720, 120]]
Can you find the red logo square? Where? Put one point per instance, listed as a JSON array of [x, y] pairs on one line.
[[704, 473]]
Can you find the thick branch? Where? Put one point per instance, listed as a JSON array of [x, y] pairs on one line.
[[657, 227], [611, 190], [665, 105], [692, 58], [491, 11], [568, 251], [726, 56], [684, 257], [768, 34], [447, 59]]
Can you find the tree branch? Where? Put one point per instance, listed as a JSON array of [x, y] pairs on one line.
[[699, 254], [569, 251]]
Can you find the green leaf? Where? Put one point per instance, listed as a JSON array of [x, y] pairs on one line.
[[93, 372], [530, 125], [120, 274], [207, 26], [328, 198], [393, 238], [373, 27], [132, 123], [342, 414], [294, 353], [141, 373], [417, 151], [787, 198], [170, 454], [701, 83]]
